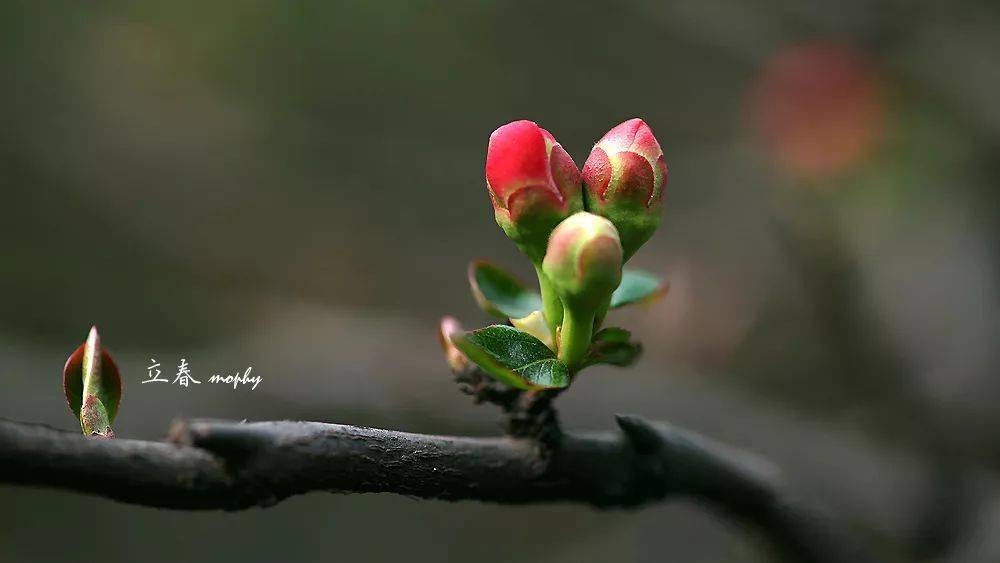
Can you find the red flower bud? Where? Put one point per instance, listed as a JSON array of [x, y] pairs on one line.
[[625, 176], [533, 183]]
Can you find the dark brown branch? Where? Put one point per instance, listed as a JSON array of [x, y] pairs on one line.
[[228, 465], [526, 414]]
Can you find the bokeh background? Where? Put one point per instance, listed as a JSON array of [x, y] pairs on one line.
[[298, 186]]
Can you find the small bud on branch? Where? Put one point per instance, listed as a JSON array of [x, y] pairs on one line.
[[93, 386]]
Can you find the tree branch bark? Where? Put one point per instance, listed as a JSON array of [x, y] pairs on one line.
[[233, 466]]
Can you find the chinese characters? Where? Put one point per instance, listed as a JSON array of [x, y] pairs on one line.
[[184, 377], [154, 377]]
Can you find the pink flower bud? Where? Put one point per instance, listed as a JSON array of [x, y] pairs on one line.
[[584, 260], [624, 178], [533, 183]]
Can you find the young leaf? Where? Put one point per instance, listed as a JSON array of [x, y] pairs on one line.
[[447, 329], [499, 293], [535, 325], [513, 357], [637, 286], [613, 346], [92, 385]]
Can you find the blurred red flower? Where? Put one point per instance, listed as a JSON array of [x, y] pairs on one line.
[[819, 108]]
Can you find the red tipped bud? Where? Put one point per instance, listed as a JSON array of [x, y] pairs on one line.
[[93, 386], [624, 177], [533, 184]]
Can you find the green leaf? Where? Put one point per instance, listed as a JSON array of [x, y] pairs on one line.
[[501, 294], [637, 286], [513, 357], [613, 346]]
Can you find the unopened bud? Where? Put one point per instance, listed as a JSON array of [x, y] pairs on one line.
[[93, 386], [584, 260], [533, 184], [624, 177]]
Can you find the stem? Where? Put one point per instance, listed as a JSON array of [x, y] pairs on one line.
[[552, 306], [574, 341], [601, 313]]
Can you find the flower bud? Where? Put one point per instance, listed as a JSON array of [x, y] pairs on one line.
[[584, 260], [584, 266], [624, 178], [533, 184]]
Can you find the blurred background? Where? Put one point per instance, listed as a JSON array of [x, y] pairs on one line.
[[298, 186]]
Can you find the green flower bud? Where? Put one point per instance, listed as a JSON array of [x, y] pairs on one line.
[[584, 265], [584, 260]]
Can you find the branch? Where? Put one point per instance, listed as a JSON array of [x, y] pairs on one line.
[[233, 466]]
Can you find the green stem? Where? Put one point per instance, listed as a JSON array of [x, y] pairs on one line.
[[601, 313], [551, 304], [574, 340]]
